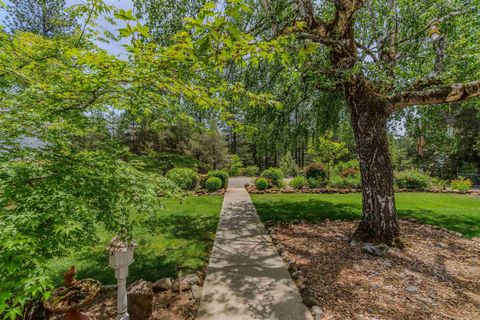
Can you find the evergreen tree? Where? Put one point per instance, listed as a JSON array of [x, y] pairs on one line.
[[44, 17]]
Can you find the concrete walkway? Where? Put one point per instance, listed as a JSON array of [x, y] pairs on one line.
[[246, 278]]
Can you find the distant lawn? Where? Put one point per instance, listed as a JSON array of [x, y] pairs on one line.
[[182, 235], [452, 211]]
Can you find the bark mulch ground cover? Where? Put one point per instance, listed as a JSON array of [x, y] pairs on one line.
[[437, 275]]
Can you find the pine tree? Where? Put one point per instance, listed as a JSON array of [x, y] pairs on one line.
[[44, 17]]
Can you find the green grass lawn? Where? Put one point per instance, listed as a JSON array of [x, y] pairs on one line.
[[181, 234], [452, 211]]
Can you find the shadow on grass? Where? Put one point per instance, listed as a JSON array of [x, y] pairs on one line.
[[467, 226], [316, 210], [167, 242], [311, 210]]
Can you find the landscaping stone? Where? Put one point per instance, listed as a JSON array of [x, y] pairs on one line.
[[379, 251], [196, 292], [296, 274], [280, 248], [354, 243], [317, 312], [310, 301], [192, 279], [185, 282], [411, 289], [291, 266], [140, 300], [162, 284]]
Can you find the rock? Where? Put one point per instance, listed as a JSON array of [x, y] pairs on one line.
[[296, 274], [280, 248], [317, 312], [140, 300], [442, 245], [186, 282], [476, 239], [192, 279], [458, 234], [162, 284], [274, 238], [310, 301], [354, 243], [308, 292], [291, 266], [196, 292], [411, 289], [379, 251]]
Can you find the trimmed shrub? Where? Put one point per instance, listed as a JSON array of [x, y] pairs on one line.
[[461, 184], [298, 182], [250, 171], [346, 175], [315, 183], [223, 175], [412, 179], [316, 171], [213, 184], [261, 183], [185, 178], [275, 175]]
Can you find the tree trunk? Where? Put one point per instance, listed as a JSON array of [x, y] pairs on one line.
[[369, 118]]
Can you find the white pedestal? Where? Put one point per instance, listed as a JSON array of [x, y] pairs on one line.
[[121, 256]]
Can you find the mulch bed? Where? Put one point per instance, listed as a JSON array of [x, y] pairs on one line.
[[437, 275], [167, 305]]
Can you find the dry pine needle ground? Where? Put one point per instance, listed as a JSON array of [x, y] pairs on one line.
[[437, 276]]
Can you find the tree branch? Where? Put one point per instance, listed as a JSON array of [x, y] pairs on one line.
[[439, 95]]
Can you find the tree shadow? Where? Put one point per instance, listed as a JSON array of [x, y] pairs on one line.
[[311, 210], [316, 210], [166, 243]]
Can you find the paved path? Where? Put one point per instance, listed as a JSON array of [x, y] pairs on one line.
[[246, 278]]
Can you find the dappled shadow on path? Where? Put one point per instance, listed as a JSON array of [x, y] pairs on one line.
[[246, 279]]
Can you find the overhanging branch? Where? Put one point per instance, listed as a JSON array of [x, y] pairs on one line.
[[438, 95]]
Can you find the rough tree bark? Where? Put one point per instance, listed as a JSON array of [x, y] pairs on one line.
[[369, 121]]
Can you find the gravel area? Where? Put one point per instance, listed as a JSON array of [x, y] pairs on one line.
[[437, 275]]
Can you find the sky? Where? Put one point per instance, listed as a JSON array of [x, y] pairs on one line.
[[113, 47]]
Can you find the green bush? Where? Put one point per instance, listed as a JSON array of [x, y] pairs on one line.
[[185, 178], [461, 184], [235, 166], [289, 166], [412, 179], [346, 175], [223, 175], [213, 184], [298, 182], [316, 171], [250, 171], [315, 183], [261, 183], [274, 175], [338, 181]]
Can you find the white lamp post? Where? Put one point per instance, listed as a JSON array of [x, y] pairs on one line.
[[121, 256]]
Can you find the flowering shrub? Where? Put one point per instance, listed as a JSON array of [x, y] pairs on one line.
[[461, 184]]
